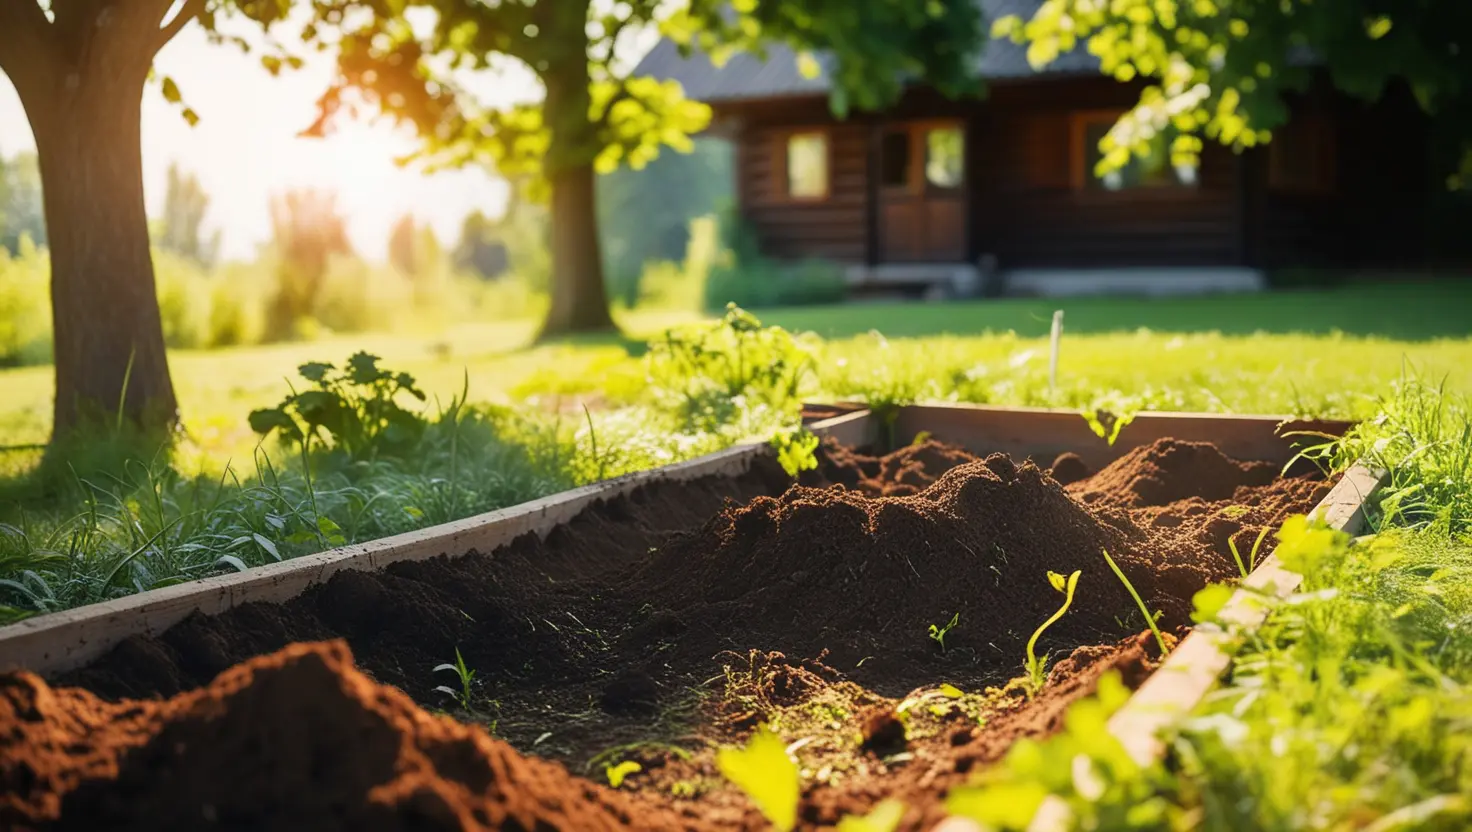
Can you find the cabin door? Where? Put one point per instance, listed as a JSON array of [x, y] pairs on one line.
[[922, 192]]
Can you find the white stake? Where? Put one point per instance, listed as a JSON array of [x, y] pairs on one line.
[[1053, 350]]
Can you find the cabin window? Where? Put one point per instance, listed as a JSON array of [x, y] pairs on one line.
[[807, 165], [894, 160], [945, 157], [1301, 155], [1151, 172]]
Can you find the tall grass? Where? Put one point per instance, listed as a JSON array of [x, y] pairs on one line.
[[1423, 438], [227, 306]]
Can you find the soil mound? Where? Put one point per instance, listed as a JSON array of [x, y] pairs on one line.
[[864, 576], [294, 740], [1170, 470], [906, 471], [1069, 468]]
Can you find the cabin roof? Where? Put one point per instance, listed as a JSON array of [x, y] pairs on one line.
[[746, 76]]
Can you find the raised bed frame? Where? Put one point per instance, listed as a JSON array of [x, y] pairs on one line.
[[61, 641]]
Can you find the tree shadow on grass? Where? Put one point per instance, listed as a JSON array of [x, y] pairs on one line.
[[633, 347]]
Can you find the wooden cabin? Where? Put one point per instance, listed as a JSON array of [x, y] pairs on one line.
[[981, 194]]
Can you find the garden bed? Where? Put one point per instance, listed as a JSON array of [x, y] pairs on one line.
[[660, 620]]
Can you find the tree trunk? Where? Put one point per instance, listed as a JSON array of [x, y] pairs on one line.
[[105, 313], [579, 298]]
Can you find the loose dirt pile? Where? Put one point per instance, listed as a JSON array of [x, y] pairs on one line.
[[628, 625], [909, 470], [860, 576], [295, 740], [1169, 471]]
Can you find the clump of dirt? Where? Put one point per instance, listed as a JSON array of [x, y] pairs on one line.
[[1170, 470], [1069, 468], [294, 740], [909, 470], [862, 576]]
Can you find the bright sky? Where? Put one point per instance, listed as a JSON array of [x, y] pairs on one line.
[[245, 148]]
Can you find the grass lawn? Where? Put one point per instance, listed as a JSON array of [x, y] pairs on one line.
[[1308, 352]]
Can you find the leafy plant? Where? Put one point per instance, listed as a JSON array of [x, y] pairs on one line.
[[354, 405], [1246, 567], [767, 774], [466, 676], [1106, 424], [710, 371], [797, 450], [1035, 666], [939, 633], [1139, 602]]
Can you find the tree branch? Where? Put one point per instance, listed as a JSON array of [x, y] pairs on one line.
[[26, 42], [189, 11]]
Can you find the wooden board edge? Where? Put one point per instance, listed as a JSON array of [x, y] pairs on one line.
[[1042, 433], [1190, 672], [67, 639]]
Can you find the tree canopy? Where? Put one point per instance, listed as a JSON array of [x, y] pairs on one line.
[[407, 59], [1220, 68]]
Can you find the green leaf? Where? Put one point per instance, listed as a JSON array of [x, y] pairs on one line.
[[314, 371], [171, 91], [265, 543], [363, 368], [767, 775], [884, 817], [616, 774], [1208, 602], [266, 420], [331, 530], [231, 561], [998, 805], [950, 691], [808, 65]]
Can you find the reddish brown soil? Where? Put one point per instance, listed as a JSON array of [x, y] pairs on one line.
[[298, 739], [627, 625], [1169, 471], [1069, 468]]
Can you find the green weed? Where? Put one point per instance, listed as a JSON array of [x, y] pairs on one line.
[[1035, 666], [466, 677], [938, 634], [1246, 567], [617, 773], [1140, 602], [354, 405], [796, 450]]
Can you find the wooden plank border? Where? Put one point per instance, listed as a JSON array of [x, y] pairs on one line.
[[1043, 433], [1189, 673], [64, 640]]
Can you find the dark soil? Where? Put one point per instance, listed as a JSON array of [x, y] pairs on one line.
[[650, 618]]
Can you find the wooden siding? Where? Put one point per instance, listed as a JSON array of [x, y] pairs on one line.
[[1028, 212], [1026, 208], [832, 228]]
